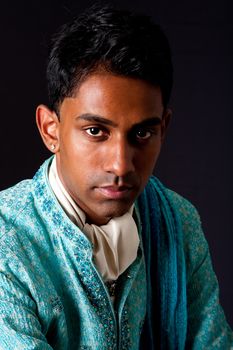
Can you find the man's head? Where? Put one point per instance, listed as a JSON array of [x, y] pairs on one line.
[[109, 79], [118, 42]]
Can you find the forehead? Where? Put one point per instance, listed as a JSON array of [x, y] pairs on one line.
[[114, 97]]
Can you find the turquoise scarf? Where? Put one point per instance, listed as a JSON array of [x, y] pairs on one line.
[[166, 321]]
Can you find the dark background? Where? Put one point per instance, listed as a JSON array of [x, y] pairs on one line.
[[196, 160]]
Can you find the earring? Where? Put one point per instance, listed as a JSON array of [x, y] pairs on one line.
[[52, 147]]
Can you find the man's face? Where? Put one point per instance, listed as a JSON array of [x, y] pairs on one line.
[[109, 139]]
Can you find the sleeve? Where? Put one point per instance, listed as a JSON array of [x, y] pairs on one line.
[[19, 325], [207, 326]]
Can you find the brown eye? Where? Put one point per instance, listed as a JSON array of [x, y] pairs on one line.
[[94, 131], [142, 134]]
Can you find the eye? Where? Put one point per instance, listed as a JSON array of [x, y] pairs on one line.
[[143, 134], [94, 131]]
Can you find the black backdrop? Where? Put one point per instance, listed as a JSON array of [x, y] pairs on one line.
[[196, 160]]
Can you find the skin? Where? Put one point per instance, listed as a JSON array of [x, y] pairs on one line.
[[107, 142]]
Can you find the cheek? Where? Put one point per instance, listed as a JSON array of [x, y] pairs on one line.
[[77, 149], [147, 159]]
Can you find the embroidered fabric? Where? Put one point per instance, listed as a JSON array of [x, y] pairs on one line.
[[115, 244]]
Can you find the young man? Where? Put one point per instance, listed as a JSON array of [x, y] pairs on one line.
[[95, 252]]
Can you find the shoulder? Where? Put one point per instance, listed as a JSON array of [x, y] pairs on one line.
[[14, 194], [194, 242], [18, 205], [183, 207], [187, 211], [195, 245], [12, 203]]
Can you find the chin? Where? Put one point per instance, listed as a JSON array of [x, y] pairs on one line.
[[116, 211]]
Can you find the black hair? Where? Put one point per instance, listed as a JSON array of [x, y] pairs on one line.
[[118, 41]]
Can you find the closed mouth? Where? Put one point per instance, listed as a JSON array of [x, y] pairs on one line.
[[115, 192]]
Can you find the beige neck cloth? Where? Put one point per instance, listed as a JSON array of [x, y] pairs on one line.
[[115, 244]]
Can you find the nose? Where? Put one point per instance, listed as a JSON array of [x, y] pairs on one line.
[[119, 158]]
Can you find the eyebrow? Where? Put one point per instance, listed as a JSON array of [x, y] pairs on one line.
[[153, 121], [96, 118]]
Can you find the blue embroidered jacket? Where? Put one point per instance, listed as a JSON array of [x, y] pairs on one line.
[[52, 296]]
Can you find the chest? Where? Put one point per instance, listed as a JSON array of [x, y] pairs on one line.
[[74, 305]]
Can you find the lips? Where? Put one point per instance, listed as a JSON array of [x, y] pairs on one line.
[[115, 192]]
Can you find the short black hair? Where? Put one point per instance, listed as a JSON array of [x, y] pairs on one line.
[[118, 41]]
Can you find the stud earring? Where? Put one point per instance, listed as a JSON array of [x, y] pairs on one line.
[[52, 147]]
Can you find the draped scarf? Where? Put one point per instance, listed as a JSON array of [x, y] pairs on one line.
[[166, 319], [111, 251]]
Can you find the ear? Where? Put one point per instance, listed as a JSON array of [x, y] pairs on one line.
[[48, 125], [167, 114]]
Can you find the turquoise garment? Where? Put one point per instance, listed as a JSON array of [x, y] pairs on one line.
[[52, 296], [166, 329]]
